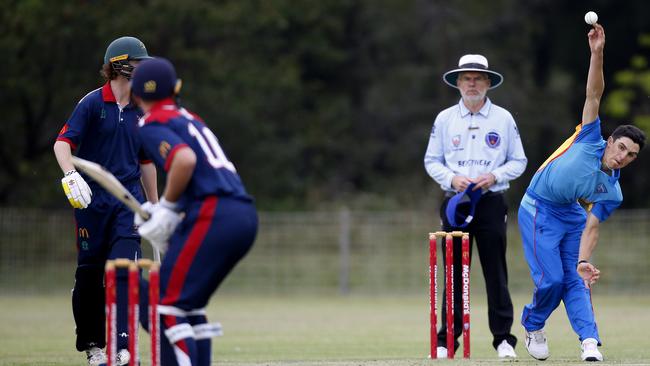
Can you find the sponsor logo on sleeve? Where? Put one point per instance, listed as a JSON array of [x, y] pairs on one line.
[[600, 188]]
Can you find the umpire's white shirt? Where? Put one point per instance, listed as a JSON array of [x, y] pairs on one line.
[[471, 144]]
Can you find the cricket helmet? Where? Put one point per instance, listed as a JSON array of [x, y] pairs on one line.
[[121, 51]]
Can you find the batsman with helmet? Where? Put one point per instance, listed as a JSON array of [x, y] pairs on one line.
[[102, 129]]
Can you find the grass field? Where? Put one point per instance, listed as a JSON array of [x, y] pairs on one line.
[[336, 331]]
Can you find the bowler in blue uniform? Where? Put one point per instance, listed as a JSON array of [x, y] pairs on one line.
[[103, 129], [205, 221], [558, 234]]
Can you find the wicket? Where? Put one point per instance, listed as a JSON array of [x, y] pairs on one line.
[[133, 309], [449, 288]]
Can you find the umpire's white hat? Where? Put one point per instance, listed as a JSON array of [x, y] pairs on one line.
[[476, 63]]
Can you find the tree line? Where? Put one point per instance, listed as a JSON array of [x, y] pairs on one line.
[[322, 104]]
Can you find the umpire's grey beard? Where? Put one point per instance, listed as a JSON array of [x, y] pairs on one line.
[[473, 98]]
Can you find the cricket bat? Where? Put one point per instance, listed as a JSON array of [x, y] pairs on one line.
[[107, 180]]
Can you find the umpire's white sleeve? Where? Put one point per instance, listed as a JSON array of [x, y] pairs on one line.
[[515, 157], [434, 160]]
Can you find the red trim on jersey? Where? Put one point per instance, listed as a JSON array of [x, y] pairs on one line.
[[190, 248], [65, 139], [146, 161], [172, 153], [63, 129], [162, 111], [107, 93]]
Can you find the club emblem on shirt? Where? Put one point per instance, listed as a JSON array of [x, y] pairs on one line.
[[455, 140], [600, 188], [492, 139], [163, 149]]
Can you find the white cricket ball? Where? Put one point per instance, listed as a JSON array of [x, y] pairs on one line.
[[591, 17]]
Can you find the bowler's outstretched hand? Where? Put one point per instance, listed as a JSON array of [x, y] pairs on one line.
[[589, 273], [596, 38]]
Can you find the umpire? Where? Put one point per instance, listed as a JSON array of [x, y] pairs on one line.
[[475, 141]]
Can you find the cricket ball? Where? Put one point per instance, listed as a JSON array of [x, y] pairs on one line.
[[591, 17]]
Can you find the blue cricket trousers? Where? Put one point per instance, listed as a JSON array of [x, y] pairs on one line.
[[551, 239]]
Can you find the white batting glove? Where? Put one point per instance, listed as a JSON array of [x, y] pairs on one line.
[[161, 225], [76, 189], [148, 207]]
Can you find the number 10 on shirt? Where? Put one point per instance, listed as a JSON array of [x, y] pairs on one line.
[[210, 146]]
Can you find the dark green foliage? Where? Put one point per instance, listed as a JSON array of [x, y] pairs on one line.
[[319, 104]]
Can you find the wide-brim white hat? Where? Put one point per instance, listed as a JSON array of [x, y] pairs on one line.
[[476, 63]]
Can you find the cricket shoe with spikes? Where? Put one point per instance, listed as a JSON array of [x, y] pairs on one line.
[[536, 344], [123, 357], [96, 356], [590, 350], [505, 351]]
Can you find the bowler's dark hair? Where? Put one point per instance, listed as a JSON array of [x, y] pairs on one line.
[[632, 132]]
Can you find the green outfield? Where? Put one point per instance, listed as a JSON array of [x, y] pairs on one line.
[[327, 331]]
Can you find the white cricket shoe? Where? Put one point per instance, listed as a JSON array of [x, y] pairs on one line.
[[123, 357], [505, 350], [96, 356], [590, 350], [441, 352], [536, 344]]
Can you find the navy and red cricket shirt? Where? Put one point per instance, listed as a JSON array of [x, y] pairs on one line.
[[100, 131], [167, 128]]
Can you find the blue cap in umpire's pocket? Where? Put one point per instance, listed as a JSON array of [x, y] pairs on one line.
[[456, 206]]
